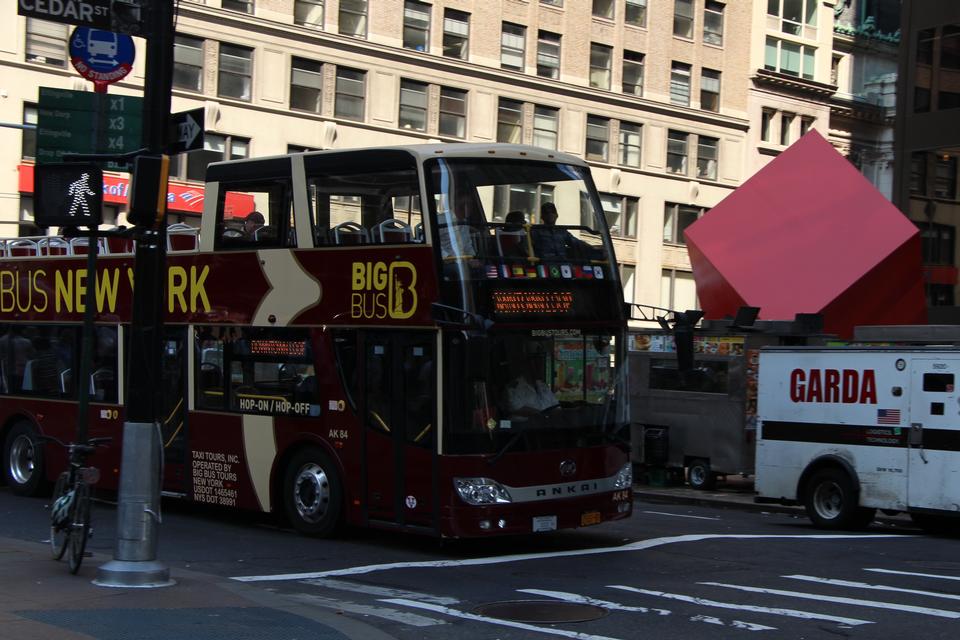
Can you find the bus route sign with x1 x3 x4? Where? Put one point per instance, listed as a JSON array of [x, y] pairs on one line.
[[103, 57]]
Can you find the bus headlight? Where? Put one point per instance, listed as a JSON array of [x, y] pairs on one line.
[[481, 491], [624, 478]]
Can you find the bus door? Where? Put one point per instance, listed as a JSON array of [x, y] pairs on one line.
[[173, 411], [400, 427], [934, 438]]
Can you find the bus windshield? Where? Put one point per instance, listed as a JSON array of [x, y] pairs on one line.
[[501, 218], [529, 390]]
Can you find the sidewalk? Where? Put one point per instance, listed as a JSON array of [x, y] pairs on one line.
[[40, 599]]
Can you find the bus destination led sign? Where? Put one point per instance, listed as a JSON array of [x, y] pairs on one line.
[[283, 348], [532, 302]]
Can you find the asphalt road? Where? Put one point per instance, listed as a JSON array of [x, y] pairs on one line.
[[671, 571]]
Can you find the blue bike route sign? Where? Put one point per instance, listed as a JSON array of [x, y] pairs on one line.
[[101, 56]]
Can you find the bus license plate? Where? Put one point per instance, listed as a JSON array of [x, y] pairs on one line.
[[589, 517], [545, 523]]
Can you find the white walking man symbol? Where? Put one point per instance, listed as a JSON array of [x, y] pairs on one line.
[[78, 190]]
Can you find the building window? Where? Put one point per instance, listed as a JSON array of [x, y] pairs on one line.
[[633, 73], [453, 112], [353, 18], [216, 147], [546, 124], [636, 13], [243, 6], [413, 105], [677, 290], [680, 84], [707, 151], [630, 137], [456, 33], [713, 23], [28, 139], [806, 123], [676, 219], [416, 25], [306, 85], [677, 152], [786, 123], [628, 278], [945, 177], [351, 93], [512, 46], [789, 58], [918, 173], [598, 138], [766, 125], [308, 13], [600, 64], [552, 3], [548, 55], [509, 121], [603, 9], [683, 18], [937, 243], [710, 90], [46, 42], [621, 214], [299, 148], [187, 63], [235, 70], [793, 14]]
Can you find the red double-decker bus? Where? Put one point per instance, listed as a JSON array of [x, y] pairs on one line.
[[424, 338]]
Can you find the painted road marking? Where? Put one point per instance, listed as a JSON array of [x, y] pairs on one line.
[[379, 592], [520, 557], [911, 573], [893, 606], [503, 623], [777, 611], [393, 615], [679, 515], [616, 606], [875, 587]]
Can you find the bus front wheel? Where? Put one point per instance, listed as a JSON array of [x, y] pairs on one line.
[[831, 501], [23, 463], [313, 493]]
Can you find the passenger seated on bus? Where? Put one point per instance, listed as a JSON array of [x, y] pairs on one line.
[[512, 238], [550, 242], [527, 394], [252, 223]]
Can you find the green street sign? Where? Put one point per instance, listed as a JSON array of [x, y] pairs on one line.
[[74, 122]]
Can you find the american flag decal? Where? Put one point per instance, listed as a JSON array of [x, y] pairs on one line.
[[888, 416]]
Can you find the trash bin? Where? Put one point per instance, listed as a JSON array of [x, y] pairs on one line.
[[656, 446]]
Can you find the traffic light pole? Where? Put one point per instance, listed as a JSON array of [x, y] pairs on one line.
[[134, 561]]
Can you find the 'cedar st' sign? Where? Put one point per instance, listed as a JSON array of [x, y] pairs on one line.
[[84, 13]]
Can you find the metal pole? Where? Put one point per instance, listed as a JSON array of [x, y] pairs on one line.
[[138, 503], [86, 340]]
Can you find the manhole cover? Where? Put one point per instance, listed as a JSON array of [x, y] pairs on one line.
[[546, 611]]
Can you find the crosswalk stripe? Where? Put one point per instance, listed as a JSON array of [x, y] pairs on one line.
[[911, 573], [616, 606], [875, 587], [777, 611], [497, 621], [893, 606], [379, 592], [393, 615]]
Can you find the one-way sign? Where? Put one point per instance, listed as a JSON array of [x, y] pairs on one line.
[[185, 131], [83, 13]]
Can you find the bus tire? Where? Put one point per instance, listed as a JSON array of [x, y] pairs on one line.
[[313, 493], [831, 501], [23, 461], [700, 476]]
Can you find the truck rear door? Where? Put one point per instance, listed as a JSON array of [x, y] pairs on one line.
[[934, 455]]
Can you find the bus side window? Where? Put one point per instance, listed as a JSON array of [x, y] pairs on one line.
[[209, 375], [103, 376], [255, 216]]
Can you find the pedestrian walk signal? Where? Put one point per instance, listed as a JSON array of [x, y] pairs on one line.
[[67, 195]]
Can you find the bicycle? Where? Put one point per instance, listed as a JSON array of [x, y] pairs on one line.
[[70, 509]]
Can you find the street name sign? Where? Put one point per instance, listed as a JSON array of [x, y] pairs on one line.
[[84, 13]]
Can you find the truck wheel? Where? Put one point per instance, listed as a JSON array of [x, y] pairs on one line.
[[831, 502], [313, 493], [699, 475], [23, 463]]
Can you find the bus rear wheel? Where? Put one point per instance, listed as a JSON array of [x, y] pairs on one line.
[[23, 463], [831, 502], [313, 493]]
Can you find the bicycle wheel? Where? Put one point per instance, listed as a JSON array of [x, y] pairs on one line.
[[59, 531], [79, 526]]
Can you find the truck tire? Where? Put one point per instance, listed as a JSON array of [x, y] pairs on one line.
[[23, 461], [831, 501], [313, 493], [700, 476]]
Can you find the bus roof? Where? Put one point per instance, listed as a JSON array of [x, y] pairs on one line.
[[268, 165]]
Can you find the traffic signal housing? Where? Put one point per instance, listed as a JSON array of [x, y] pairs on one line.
[[148, 190]]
